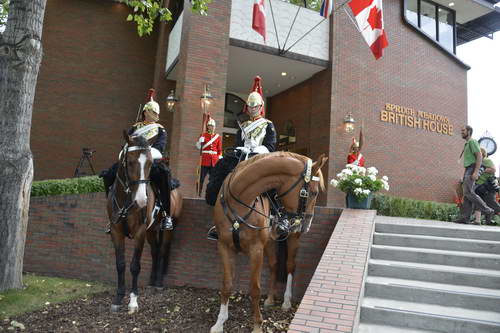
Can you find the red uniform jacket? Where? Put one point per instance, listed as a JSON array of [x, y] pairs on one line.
[[211, 149], [351, 158]]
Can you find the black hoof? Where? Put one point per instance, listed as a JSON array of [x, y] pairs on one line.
[[115, 308]]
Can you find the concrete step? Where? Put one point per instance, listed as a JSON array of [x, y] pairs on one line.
[[433, 293], [440, 243], [374, 328], [443, 230], [465, 276], [436, 257], [428, 316]]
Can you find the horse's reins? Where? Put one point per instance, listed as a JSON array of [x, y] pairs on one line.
[[236, 219]]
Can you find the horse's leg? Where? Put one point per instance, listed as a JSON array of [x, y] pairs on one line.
[[152, 239], [119, 243], [227, 256], [135, 268], [293, 246], [256, 255], [270, 251], [166, 237]]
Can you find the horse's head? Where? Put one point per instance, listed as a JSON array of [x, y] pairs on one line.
[[136, 161], [299, 193]]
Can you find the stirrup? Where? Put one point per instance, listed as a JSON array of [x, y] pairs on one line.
[[212, 234], [166, 223]]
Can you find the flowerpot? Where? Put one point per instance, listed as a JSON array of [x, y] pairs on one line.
[[352, 202]]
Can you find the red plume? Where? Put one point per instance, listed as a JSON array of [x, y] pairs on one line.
[[151, 94]]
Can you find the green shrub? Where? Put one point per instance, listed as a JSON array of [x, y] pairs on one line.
[[67, 186], [404, 207]]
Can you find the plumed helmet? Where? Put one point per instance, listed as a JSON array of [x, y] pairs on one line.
[[355, 143], [211, 122], [254, 99], [151, 105]]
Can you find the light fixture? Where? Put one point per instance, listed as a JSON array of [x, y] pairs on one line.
[[283, 73], [451, 4], [206, 98], [349, 123], [171, 100]]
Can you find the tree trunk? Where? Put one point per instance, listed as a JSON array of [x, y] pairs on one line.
[[20, 57]]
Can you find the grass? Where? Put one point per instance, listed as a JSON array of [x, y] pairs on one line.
[[40, 290]]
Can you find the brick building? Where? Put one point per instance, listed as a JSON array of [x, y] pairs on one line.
[[412, 102]]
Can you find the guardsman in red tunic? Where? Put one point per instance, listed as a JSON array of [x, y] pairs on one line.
[[210, 145], [355, 157]]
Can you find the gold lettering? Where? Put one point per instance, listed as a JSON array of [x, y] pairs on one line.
[[450, 129], [392, 117], [418, 123], [409, 121], [433, 126], [425, 124], [440, 128], [383, 115]]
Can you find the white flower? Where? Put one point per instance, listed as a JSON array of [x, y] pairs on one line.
[[334, 182], [385, 178], [362, 171], [366, 191], [358, 181], [372, 178], [349, 166], [347, 172], [358, 190], [372, 171], [386, 187]]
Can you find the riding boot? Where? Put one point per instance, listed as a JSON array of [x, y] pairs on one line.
[[212, 234], [161, 177]]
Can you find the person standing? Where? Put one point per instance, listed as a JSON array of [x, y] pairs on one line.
[[210, 146], [355, 157], [484, 182], [472, 163]]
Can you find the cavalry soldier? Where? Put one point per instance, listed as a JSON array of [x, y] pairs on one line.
[[210, 145], [160, 174], [255, 136], [355, 157]]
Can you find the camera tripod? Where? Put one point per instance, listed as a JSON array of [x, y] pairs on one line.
[[86, 156]]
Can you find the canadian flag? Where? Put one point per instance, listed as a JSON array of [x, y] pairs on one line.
[[259, 18], [368, 14]]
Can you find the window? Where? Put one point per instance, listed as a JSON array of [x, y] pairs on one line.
[[435, 21], [234, 111]]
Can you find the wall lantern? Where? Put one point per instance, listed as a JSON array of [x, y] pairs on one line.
[[171, 100], [206, 98], [349, 123]]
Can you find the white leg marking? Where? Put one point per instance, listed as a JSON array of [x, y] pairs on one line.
[[287, 304], [132, 305], [140, 196], [221, 319]]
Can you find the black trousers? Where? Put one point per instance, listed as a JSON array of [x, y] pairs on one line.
[[204, 171], [159, 175]]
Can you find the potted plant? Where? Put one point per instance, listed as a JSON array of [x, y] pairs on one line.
[[359, 184]]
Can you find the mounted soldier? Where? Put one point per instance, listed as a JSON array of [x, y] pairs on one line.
[[255, 136], [156, 135], [210, 146]]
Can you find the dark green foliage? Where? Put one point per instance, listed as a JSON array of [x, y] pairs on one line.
[[403, 207], [80, 185]]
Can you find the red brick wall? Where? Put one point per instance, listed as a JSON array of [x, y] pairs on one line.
[[65, 238], [413, 73], [203, 59], [95, 72]]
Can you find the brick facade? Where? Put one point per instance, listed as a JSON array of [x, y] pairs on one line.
[[65, 238], [95, 71]]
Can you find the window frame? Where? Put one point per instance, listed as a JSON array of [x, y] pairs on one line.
[[419, 23]]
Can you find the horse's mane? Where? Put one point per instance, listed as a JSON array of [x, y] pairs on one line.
[[140, 141], [244, 164]]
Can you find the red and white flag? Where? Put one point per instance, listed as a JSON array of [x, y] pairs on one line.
[[368, 14], [259, 18]]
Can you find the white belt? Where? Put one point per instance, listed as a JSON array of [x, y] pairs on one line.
[[211, 152]]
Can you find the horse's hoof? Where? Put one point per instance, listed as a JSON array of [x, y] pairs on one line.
[[133, 309], [216, 330], [268, 303], [158, 287], [286, 305], [115, 307], [257, 330]]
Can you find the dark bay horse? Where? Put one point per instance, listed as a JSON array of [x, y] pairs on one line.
[[298, 180], [130, 209]]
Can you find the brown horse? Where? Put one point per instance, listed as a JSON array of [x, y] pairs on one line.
[[130, 209], [242, 221]]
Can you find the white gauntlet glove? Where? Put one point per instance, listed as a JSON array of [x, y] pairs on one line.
[[200, 141]]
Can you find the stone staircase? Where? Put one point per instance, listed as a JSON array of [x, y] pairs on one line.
[[429, 276]]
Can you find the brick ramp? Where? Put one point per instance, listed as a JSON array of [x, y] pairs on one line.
[[331, 301]]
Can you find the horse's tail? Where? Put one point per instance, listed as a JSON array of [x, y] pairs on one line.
[[282, 256]]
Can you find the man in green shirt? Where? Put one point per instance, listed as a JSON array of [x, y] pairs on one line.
[[472, 163]]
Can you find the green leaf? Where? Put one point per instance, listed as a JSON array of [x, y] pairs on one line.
[[130, 17]]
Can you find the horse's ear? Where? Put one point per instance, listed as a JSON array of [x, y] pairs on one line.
[[318, 164], [126, 137]]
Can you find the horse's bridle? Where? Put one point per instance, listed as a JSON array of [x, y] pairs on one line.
[[123, 211], [297, 217]]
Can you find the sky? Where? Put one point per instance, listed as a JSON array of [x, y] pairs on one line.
[[483, 88]]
